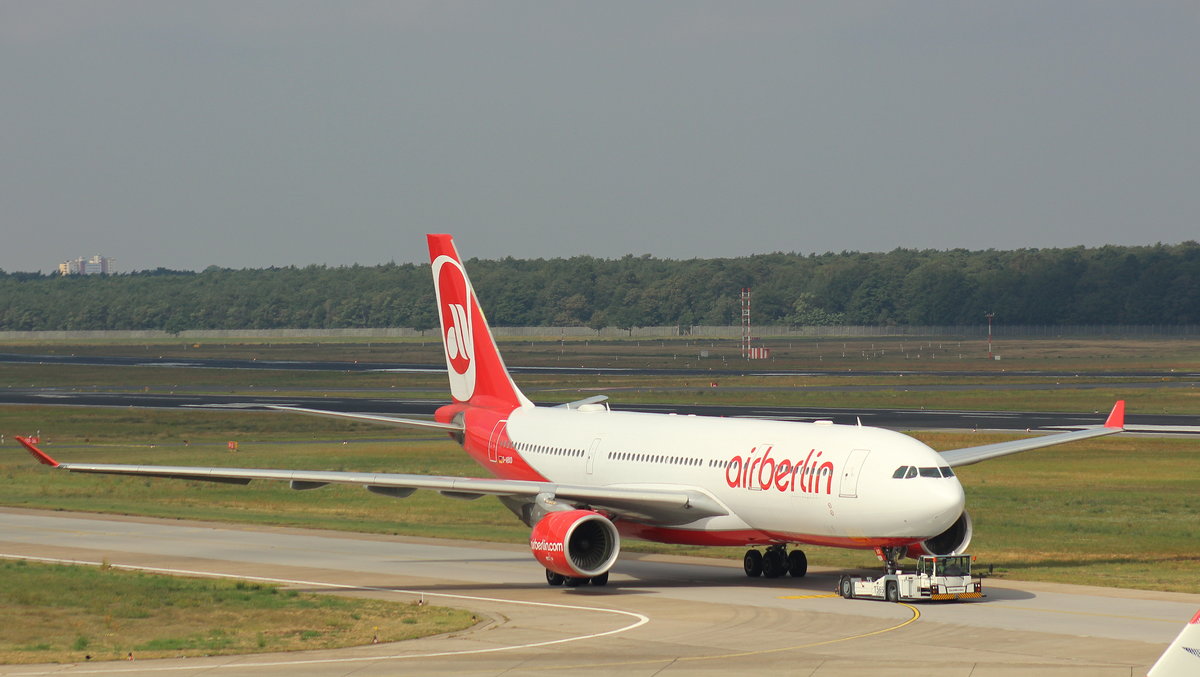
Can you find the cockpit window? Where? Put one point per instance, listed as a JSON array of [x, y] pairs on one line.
[[908, 472]]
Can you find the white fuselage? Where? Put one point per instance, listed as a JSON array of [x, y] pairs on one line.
[[809, 482]]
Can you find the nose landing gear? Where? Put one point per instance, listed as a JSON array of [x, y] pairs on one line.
[[889, 556], [775, 562]]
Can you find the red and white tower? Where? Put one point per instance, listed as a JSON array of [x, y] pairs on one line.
[[745, 322]]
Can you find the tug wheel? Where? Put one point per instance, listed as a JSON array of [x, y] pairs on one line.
[[891, 593]]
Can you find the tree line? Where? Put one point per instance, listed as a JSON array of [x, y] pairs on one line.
[[1142, 285]]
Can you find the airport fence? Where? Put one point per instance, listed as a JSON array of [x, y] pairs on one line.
[[964, 331]]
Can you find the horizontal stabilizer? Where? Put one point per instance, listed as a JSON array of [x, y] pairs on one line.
[[594, 399], [373, 418]]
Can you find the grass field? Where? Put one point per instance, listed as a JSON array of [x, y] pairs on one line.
[[55, 613], [886, 353], [1120, 511]]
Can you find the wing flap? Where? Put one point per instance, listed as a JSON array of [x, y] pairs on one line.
[[672, 505]]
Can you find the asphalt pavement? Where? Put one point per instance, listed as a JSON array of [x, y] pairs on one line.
[[897, 419]]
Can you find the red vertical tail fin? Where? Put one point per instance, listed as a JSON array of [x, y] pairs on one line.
[[476, 370]]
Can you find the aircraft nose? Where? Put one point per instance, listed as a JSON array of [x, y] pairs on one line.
[[942, 502], [947, 499], [952, 492]]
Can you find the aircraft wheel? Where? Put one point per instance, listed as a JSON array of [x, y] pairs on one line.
[[846, 587], [797, 564], [602, 579], [572, 582], [752, 563], [554, 579], [890, 592], [775, 564]]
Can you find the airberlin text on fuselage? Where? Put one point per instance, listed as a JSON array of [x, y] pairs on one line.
[[761, 471]]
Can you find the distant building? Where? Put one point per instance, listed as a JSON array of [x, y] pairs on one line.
[[81, 266]]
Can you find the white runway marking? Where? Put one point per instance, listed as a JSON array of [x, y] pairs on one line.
[[639, 621]]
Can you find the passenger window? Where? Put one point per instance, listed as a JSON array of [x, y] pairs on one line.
[[899, 472], [912, 472]]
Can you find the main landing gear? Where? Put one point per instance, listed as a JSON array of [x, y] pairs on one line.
[[775, 562], [558, 579]]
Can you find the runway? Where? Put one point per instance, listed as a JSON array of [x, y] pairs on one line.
[[417, 367], [896, 419], [362, 402], [660, 615]]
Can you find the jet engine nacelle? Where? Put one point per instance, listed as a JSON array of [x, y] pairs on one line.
[[575, 543], [952, 541]]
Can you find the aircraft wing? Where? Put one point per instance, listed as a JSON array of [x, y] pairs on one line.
[[665, 505], [969, 455]]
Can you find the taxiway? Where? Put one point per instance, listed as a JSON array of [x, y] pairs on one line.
[[660, 615]]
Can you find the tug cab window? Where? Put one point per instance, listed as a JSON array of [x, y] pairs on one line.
[[954, 566]]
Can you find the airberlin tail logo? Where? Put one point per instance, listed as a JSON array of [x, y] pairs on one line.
[[454, 304], [458, 332]]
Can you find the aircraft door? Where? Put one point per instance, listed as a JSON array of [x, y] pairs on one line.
[[850, 473], [592, 452], [494, 441]]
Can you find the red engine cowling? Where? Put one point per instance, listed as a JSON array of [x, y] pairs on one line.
[[575, 543], [952, 541]]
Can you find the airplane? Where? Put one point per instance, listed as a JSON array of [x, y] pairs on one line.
[[583, 476], [1182, 657]]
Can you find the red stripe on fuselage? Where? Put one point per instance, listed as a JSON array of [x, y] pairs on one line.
[[739, 537]]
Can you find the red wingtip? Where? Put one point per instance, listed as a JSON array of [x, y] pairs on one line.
[[1117, 418], [40, 455]]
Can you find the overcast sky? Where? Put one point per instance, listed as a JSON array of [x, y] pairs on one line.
[[248, 134]]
